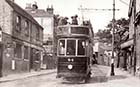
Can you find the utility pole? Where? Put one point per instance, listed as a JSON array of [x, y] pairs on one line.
[[113, 28], [135, 44]]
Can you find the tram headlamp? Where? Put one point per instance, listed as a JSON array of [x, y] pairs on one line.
[[69, 59], [70, 66], [72, 60]]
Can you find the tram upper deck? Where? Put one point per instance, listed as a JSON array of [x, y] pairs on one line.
[[73, 31]]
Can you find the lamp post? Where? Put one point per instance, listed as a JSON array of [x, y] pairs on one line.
[[113, 27]]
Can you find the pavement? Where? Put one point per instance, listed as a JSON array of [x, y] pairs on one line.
[[99, 74], [102, 74], [19, 76]]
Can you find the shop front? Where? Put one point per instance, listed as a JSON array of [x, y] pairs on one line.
[[127, 55]]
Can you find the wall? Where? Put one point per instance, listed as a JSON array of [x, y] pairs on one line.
[[5, 17]]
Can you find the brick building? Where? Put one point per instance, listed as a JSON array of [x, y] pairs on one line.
[[21, 39], [46, 19]]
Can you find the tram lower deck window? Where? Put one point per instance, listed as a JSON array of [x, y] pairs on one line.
[[71, 47], [81, 47], [62, 47]]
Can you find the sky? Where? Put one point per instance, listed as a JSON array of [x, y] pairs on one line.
[[68, 8]]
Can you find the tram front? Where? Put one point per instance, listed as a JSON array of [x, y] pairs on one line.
[[73, 58]]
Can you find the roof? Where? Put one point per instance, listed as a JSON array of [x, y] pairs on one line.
[[39, 13], [22, 12]]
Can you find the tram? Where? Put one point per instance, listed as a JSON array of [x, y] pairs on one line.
[[74, 52]]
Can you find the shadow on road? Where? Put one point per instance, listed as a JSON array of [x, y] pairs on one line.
[[98, 79], [116, 77]]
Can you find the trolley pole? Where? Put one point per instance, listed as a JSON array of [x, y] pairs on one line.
[[113, 28]]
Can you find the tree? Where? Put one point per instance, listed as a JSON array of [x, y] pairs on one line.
[[120, 34], [104, 35]]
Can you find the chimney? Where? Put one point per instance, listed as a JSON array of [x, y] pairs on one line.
[[50, 10], [28, 6]]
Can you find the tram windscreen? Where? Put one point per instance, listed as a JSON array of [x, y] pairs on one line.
[[71, 47], [81, 47], [62, 47]]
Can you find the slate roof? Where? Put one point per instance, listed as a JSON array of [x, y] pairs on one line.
[[22, 12]]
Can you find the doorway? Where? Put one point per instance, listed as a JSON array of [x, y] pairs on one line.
[[31, 58], [1, 49]]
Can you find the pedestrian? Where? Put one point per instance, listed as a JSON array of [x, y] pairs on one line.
[[74, 20]]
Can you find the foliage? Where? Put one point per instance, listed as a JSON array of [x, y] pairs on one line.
[[104, 35], [121, 26]]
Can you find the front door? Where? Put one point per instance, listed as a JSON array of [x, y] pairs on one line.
[[31, 59], [0, 60]]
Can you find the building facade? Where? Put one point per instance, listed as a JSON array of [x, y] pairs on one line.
[[137, 35], [21, 40], [46, 19], [102, 51], [130, 48]]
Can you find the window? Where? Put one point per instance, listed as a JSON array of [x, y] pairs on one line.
[[37, 33], [26, 25], [62, 47], [25, 52], [81, 47], [37, 55], [18, 51], [18, 23], [71, 47]]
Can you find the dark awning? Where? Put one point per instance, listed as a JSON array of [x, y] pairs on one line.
[[127, 43]]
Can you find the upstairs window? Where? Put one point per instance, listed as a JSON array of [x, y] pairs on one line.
[[26, 25], [18, 23], [37, 33]]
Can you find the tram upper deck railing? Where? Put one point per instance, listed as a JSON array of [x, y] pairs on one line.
[[72, 30]]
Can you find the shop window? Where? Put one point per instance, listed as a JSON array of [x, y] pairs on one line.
[[37, 55], [26, 52], [18, 51]]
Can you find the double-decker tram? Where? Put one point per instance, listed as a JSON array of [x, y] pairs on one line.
[[74, 52]]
